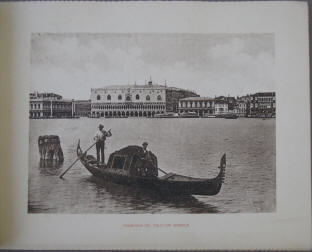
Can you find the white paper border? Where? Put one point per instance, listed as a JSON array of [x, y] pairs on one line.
[[288, 228]]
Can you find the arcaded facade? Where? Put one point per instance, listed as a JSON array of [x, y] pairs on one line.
[[128, 100]]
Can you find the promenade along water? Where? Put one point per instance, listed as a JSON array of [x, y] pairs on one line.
[[188, 146]]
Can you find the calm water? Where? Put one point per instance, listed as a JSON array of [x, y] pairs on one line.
[[191, 147]]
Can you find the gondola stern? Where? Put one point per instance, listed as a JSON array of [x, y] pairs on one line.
[[78, 150], [213, 186], [223, 160], [222, 167]]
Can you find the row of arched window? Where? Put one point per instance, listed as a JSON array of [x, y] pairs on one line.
[[68, 106], [38, 106], [190, 104], [127, 106], [128, 98], [126, 113], [35, 106]]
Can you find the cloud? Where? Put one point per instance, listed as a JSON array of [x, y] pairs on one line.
[[226, 50], [239, 71], [70, 64]]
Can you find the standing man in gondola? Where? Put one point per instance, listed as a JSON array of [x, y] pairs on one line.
[[100, 138]]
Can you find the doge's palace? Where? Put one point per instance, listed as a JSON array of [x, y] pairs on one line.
[[128, 100]]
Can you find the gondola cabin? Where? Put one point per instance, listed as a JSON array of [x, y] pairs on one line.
[[133, 161]]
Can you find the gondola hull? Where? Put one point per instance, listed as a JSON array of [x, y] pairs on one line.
[[168, 184]]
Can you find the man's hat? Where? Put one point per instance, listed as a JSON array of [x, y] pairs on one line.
[[144, 143], [101, 126]]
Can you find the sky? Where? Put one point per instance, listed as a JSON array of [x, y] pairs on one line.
[[209, 64]]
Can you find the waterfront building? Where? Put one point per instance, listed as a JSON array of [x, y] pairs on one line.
[[81, 108], [174, 95], [245, 98], [229, 100], [136, 100], [244, 105], [262, 104], [46, 105], [241, 108], [203, 106], [128, 100], [221, 107]]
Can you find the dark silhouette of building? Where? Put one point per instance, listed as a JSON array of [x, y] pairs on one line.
[[173, 95], [82, 108]]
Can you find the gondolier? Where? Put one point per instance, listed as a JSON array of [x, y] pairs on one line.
[[100, 138]]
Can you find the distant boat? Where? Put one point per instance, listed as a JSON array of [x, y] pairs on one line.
[[227, 116], [219, 116], [167, 115], [189, 115], [209, 116], [230, 116]]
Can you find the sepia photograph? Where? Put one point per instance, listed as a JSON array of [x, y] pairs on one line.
[[137, 123], [155, 125]]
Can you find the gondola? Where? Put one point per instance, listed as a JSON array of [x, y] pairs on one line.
[[131, 166]]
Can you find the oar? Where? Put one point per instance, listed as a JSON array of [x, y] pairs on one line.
[[162, 170], [75, 162]]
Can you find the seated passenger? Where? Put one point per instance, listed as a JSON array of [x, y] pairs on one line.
[[147, 168]]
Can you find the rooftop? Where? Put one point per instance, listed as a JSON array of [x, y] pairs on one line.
[[132, 86], [36, 96], [147, 86], [261, 94]]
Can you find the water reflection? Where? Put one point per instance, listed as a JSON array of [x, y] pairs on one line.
[[145, 200], [50, 167]]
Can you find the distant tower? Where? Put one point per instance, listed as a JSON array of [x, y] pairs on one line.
[[150, 82]]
